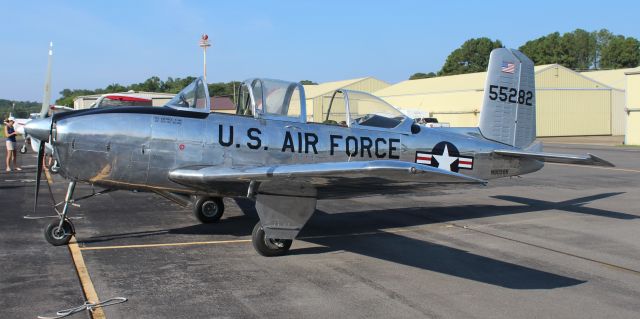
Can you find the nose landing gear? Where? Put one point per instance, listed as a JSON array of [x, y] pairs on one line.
[[59, 232]]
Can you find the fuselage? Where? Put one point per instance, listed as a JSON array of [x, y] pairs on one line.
[[137, 147]]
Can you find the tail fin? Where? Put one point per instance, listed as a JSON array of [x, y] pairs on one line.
[[509, 108], [46, 100]]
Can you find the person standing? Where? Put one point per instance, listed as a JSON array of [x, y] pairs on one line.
[[10, 133]]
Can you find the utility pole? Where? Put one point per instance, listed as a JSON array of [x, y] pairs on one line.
[[204, 44]]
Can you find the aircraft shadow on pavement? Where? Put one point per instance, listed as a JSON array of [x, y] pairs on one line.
[[573, 205], [443, 259], [405, 250]]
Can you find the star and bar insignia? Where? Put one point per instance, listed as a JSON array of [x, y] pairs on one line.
[[445, 156]]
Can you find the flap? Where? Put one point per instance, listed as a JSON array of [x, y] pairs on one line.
[[588, 159]]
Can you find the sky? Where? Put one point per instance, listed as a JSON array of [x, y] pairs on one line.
[[97, 43]]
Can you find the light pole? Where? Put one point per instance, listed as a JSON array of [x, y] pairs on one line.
[[204, 44]]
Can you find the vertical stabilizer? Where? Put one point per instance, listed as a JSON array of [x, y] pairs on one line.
[[46, 99], [509, 107]]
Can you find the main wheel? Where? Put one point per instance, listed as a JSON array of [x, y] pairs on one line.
[[56, 235], [23, 149], [208, 209], [268, 247]]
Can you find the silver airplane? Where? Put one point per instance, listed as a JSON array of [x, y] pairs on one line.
[[286, 156]]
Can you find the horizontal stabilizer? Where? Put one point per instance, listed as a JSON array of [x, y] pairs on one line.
[[588, 159]]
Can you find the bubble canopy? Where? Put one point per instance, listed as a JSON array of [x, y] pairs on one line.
[[194, 97]]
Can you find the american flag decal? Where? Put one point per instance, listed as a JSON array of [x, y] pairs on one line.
[[508, 67]]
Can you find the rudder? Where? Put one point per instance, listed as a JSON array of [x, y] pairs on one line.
[[508, 112]]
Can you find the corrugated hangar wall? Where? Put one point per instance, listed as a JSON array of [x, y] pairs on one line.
[[568, 103]]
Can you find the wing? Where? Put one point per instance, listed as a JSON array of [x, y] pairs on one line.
[[588, 159], [350, 177]]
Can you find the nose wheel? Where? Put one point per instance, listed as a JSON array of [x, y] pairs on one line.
[[269, 247], [58, 233]]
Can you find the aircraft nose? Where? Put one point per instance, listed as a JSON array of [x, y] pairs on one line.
[[39, 128]]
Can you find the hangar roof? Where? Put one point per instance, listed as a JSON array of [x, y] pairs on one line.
[[612, 78], [475, 82], [440, 84], [316, 90]]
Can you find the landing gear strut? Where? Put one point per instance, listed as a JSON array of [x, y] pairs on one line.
[[208, 209], [59, 232], [269, 247]]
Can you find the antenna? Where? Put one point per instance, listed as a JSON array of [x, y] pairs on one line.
[[204, 44]]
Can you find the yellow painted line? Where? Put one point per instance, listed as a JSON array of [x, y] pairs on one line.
[[236, 241], [600, 167], [170, 244], [85, 280]]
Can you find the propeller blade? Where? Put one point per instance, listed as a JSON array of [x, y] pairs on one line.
[[41, 152]]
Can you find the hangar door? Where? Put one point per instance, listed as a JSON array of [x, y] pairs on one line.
[[573, 112]]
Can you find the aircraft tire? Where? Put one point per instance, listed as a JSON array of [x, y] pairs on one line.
[[54, 236], [208, 209], [23, 149], [269, 247]]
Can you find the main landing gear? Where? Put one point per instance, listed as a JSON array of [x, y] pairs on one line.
[[269, 247], [208, 209], [59, 232]]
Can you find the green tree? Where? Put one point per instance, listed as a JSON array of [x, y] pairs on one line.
[[549, 49], [581, 45], [575, 50], [421, 75], [20, 109], [308, 82], [223, 89], [620, 52], [472, 56], [584, 50], [602, 37]]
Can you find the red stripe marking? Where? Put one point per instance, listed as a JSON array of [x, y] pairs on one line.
[[465, 162]]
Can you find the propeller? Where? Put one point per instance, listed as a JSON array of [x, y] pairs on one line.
[[41, 151], [38, 128]]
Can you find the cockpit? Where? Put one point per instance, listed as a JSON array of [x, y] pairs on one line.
[[282, 100], [275, 99], [194, 97]]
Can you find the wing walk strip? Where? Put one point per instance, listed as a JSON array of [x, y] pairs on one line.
[[90, 293], [379, 232]]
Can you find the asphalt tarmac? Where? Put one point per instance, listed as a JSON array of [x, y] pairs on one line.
[[563, 242]]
